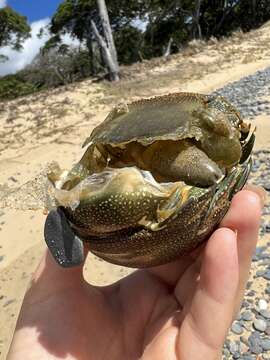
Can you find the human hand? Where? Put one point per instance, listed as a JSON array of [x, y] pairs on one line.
[[181, 310]]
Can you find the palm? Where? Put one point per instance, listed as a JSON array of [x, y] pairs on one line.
[[167, 312]]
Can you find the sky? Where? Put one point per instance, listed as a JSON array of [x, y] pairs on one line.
[[34, 9], [38, 14]]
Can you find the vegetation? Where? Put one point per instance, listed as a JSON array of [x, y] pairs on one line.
[[141, 30], [54, 67], [14, 28], [12, 86]]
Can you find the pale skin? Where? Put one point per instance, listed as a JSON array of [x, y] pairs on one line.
[[178, 311]]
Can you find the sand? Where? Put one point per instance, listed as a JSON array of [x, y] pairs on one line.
[[52, 126]]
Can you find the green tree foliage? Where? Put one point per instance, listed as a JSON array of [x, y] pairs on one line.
[[141, 29], [74, 17], [14, 28], [53, 67], [13, 86], [168, 23], [222, 17]]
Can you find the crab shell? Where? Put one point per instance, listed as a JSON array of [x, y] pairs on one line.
[[125, 215]]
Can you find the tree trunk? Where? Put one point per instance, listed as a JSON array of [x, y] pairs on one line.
[[196, 16], [108, 56], [167, 51], [107, 45], [227, 10]]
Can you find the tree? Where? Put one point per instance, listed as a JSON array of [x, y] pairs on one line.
[[88, 21], [107, 42], [81, 19], [14, 28]]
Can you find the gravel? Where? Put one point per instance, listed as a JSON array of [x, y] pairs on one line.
[[262, 304], [265, 344], [247, 315], [252, 326], [255, 345], [260, 325], [246, 93], [237, 328], [265, 313]]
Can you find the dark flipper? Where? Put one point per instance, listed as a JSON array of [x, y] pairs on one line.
[[65, 246]]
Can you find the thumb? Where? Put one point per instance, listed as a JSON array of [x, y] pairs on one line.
[[50, 278]]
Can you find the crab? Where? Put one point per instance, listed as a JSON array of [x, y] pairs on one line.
[[157, 177]]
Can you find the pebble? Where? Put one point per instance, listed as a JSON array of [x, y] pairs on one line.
[[267, 290], [265, 313], [246, 93], [233, 347], [2, 258], [255, 344], [244, 340], [237, 328], [260, 273], [248, 357], [265, 344], [260, 324], [262, 304], [267, 331], [266, 275], [247, 315]]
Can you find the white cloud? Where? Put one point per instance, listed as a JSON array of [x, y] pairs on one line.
[[17, 60], [3, 3]]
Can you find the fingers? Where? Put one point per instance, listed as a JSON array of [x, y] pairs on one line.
[[170, 273], [207, 318], [244, 217], [259, 191]]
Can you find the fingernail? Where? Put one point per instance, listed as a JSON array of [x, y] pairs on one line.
[[260, 191]]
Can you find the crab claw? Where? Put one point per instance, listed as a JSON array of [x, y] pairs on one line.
[[65, 246]]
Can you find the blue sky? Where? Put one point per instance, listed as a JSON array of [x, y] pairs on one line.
[[34, 9], [38, 14]]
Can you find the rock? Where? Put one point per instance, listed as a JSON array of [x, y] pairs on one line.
[[2, 258], [260, 273], [266, 186], [266, 275], [237, 328], [247, 315], [267, 290], [244, 340], [226, 354], [260, 325], [267, 331], [248, 357], [265, 343], [262, 304], [233, 347], [265, 313], [254, 343]]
